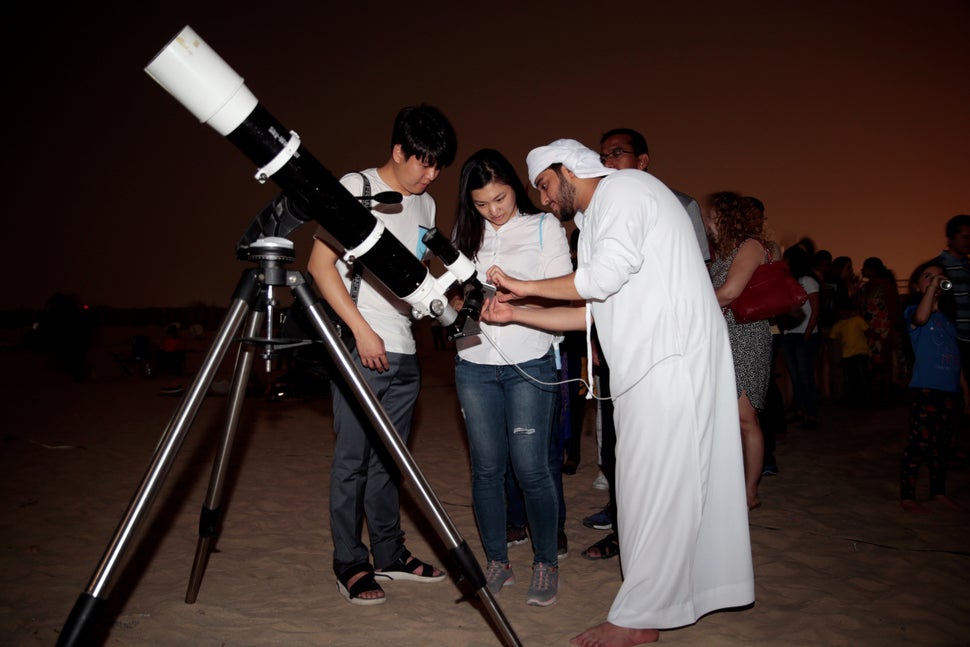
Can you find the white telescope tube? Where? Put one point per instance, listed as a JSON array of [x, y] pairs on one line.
[[200, 80]]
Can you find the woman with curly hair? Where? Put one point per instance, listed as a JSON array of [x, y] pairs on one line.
[[736, 226]]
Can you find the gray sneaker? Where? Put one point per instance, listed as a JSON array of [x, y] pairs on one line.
[[544, 589], [498, 575]]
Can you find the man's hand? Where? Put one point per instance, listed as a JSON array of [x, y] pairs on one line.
[[495, 311], [508, 289], [370, 347]]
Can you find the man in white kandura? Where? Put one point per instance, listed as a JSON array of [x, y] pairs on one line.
[[683, 517]]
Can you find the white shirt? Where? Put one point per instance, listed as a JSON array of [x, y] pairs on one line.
[[526, 247], [811, 287], [388, 315]]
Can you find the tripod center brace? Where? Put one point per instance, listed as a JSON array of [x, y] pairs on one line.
[[198, 78]]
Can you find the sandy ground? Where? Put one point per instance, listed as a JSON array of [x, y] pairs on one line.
[[836, 560]]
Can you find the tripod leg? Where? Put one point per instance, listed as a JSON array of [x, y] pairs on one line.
[[382, 424], [77, 629], [210, 518]]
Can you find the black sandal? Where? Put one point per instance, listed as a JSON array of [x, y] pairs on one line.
[[608, 546], [414, 570], [365, 584]]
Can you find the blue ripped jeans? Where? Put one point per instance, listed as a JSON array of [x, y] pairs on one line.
[[510, 417]]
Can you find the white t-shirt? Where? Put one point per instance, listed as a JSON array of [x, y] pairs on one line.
[[811, 287], [389, 316], [527, 247]]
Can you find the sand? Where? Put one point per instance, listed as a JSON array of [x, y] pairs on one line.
[[836, 560]]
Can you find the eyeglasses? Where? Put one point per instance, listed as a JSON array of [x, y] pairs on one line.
[[616, 153]]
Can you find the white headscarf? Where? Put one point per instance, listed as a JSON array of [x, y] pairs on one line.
[[583, 162]]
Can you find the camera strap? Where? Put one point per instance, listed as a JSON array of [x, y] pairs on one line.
[[358, 269]]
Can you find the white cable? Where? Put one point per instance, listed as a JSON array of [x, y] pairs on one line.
[[576, 379], [537, 381]]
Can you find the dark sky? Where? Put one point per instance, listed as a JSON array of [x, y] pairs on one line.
[[848, 119]]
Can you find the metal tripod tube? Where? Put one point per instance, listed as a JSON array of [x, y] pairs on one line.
[[77, 629], [398, 450], [210, 519]]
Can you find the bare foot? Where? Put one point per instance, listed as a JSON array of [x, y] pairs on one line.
[[754, 503], [911, 505], [945, 500], [610, 635]]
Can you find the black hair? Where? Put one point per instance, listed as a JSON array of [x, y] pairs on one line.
[[953, 224], [637, 140], [875, 265], [808, 245], [840, 262], [799, 261], [483, 168], [424, 132], [946, 303]]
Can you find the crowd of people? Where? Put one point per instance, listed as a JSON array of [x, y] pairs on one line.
[[690, 401]]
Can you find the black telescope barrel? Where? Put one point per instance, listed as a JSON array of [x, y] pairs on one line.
[[318, 195]]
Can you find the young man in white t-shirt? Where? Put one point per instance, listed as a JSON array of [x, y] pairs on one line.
[[422, 143]]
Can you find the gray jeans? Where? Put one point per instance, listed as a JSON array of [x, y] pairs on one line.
[[364, 481]]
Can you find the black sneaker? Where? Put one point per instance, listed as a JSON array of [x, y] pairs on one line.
[[563, 545]]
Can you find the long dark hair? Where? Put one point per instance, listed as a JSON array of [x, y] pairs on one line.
[[483, 168]]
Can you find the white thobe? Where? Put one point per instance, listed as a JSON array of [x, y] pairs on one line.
[[683, 521]]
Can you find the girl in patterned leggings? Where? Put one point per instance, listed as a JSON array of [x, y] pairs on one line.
[[935, 387]]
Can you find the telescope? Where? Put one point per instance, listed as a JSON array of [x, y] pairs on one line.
[[203, 82], [199, 79]]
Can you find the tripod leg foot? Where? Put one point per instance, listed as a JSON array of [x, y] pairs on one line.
[[77, 629]]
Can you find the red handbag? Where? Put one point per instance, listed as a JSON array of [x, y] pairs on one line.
[[772, 291]]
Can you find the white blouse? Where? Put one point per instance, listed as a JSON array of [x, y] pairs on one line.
[[526, 247]]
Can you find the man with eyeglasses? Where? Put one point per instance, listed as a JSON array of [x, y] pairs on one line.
[[624, 148]]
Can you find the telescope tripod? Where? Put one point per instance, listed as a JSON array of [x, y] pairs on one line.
[[257, 286]]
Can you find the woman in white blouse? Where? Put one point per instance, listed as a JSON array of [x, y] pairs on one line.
[[505, 376]]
